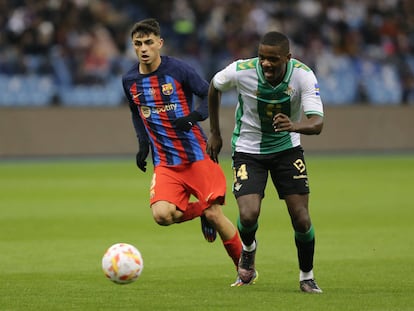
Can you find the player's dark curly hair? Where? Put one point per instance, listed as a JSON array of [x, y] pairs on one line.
[[274, 38], [146, 27]]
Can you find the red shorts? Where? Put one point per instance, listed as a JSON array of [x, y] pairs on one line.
[[203, 179]]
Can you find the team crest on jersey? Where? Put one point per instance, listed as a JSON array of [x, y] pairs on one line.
[[289, 91], [146, 111], [167, 89]]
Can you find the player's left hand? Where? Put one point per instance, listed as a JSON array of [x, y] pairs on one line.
[[281, 122], [214, 144], [187, 122]]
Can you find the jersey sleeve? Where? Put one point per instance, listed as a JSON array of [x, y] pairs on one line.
[[226, 78], [136, 118], [198, 87], [310, 96], [138, 125]]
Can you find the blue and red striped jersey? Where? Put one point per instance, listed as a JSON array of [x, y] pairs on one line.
[[159, 98]]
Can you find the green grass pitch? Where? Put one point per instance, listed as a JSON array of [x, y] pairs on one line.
[[58, 217]]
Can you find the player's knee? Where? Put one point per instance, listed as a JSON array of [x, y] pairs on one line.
[[162, 215], [248, 220], [301, 223], [162, 219], [213, 214]]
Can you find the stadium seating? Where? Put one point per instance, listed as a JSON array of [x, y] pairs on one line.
[[338, 81], [381, 83], [40, 91], [107, 95], [26, 90]]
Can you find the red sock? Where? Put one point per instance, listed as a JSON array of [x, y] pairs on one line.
[[234, 248], [194, 209]]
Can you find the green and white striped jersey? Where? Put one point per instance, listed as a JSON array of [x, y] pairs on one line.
[[258, 102]]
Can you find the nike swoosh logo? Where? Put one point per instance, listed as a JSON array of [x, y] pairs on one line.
[[136, 95]]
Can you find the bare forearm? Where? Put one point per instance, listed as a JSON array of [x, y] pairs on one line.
[[309, 126], [214, 98]]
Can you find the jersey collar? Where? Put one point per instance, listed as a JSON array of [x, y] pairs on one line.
[[282, 85]]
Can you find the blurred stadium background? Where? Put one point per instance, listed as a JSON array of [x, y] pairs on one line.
[[59, 55]]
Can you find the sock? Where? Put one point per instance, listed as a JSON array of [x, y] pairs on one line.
[[234, 248], [305, 244], [194, 209], [305, 275], [249, 248], [247, 234]]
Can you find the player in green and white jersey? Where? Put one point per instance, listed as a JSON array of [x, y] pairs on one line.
[[273, 91]]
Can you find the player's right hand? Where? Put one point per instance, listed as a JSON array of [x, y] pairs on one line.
[[142, 155]]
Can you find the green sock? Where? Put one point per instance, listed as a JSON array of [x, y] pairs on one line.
[[305, 237]]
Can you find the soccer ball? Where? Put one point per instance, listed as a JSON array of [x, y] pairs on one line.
[[122, 263]]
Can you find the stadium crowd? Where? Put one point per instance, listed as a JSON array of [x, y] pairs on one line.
[[72, 52]]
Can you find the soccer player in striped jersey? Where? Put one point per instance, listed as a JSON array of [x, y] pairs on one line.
[[160, 91], [273, 91]]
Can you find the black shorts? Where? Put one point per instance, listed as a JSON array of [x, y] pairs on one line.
[[287, 170]]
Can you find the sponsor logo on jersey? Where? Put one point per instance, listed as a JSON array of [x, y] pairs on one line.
[[167, 89], [147, 111]]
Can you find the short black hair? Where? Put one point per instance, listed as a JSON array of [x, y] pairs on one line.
[[146, 27], [275, 38]]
